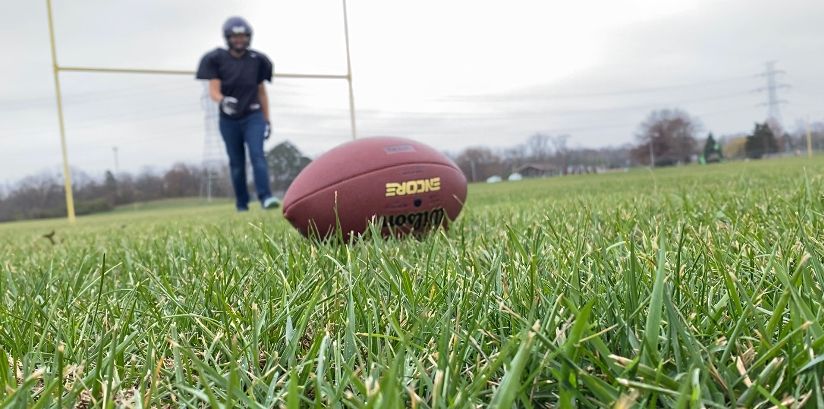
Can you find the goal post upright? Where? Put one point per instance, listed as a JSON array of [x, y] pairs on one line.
[[349, 72], [56, 68], [67, 176]]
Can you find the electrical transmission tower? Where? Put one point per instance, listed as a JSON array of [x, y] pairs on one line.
[[773, 101], [213, 156]]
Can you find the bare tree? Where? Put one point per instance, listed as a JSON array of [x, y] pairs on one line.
[[667, 137], [538, 147], [559, 143], [34, 197], [148, 186], [479, 163], [181, 181]]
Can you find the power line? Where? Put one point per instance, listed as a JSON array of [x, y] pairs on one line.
[[648, 90], [620, 92]]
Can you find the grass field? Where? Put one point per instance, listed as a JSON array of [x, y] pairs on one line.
[[684, 287]]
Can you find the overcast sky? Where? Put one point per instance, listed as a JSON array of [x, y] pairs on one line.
[[448, 73]]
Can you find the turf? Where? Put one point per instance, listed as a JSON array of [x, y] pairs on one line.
[[682, 287]]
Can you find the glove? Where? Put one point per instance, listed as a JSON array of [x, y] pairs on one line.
[[267, 130], [228, 105]]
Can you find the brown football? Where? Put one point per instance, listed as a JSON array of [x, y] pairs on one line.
[[405, 186]]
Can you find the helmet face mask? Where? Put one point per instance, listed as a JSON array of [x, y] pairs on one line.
[[238, 34], [238, 42]]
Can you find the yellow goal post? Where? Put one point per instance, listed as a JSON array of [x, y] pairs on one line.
[[57, 69]]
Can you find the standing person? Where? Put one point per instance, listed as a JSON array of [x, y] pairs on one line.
[[236, 81]]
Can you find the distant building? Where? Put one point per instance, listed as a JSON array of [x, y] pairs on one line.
[[538, 170]]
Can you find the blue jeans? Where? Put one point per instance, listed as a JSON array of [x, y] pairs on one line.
[[249, 131]]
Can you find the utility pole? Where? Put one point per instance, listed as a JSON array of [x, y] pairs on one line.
[[116, 162], [809, 140]]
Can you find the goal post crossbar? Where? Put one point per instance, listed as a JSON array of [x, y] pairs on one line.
[[189, 72]]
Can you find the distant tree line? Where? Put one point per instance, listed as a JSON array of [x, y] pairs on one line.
[[43, 195], [666, 137], [546, 154], [768, 139]]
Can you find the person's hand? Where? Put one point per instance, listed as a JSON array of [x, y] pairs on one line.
[[267, 130], [228, 105]]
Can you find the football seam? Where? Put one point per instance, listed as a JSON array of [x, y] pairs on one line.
[[295, 203]]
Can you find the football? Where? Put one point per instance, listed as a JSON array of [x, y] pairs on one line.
[[404, 186]]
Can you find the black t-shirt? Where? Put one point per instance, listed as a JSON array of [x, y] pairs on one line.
[[239, 77]]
